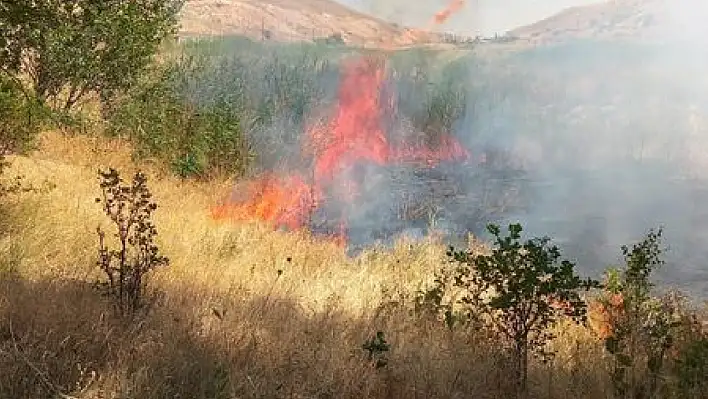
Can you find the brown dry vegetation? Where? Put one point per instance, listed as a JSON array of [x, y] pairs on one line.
[[291, 20], [227, 323]]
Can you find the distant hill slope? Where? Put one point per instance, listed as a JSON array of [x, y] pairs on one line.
[[621, 19], [292, 20]]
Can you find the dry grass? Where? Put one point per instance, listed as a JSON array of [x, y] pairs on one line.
[[228, 325]]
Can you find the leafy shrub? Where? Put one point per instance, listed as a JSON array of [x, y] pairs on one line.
[[650, 335], [641, 331], [518, 291], [130, 209], [691, 369], [163, 123], [69, 49], [20, 117]]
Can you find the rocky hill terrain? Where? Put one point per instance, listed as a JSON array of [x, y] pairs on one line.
[[653, 20], [293, 20], [297, 20]]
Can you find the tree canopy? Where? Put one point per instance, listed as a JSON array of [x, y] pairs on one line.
[[66, 49]]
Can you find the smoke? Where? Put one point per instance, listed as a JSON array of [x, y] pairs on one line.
[[478, 17], [603, 140], [613, 140], [589, 142]]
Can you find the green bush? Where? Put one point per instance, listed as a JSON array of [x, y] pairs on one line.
[[692, 368], [197, 112], [162, 123], [517, 292], [20, 118], [645, 327], [67, 50]]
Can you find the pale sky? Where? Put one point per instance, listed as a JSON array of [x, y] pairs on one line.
[[478, 17]]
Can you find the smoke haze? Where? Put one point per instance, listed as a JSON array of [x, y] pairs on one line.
[[591, 142], [478, 17], [613, 136]]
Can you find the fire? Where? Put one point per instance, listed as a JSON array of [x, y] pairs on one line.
[[604, 315], [444, 15], [279, 201], [355, 133], [353, 136]]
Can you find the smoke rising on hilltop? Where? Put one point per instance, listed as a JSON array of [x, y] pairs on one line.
[[613, 138], [478, 17], [589, 142]]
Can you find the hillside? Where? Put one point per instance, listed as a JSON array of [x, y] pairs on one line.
[[291, 20], [307, 208], [653, 20]]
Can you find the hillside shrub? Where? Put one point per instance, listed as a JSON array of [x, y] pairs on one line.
[[335, 39], [691, 369], [655, 341], [641, 327], [162, 123], [518, 291], [220, 103], [20, 117], [126, 267]]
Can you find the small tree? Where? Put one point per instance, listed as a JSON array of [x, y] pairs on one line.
[[644, 326], [130, 209], [520, 290], [70, 48]]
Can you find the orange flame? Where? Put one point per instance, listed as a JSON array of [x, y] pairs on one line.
[[443, 15], [279, 201], [354, 135]]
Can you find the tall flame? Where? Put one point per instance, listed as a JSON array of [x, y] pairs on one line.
[[353, 136]]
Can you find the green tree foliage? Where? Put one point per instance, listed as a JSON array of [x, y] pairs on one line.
[[519, 291], [691, 368], [646, 329], [19, 118], [162, 122], [68, 49], [641, 330]]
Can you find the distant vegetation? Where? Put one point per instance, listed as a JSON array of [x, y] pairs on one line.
[[255, 99]]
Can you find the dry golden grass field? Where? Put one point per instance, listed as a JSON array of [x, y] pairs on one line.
[[244, 312]]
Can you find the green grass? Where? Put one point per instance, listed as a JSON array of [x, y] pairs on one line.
[[257, 99]]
